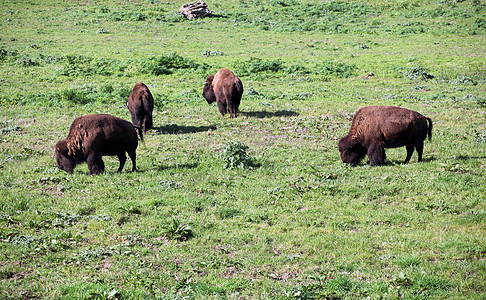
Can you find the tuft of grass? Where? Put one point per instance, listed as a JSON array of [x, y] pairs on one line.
[[177, 230]]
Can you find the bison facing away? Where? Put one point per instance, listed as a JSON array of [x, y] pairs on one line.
[[375, 128], [226, 89], [93, 136], [141, 105]]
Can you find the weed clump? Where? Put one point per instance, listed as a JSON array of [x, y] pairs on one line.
[[417, 72], [5, 53], [164, 65], [176, 230], [257, 65], [468, 98], [235, 155], [481, 137], [84, 66], [85, 94], [330, 67]]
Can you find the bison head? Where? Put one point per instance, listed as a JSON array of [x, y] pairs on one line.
[[64, 160], [208, 92], [351, 151]]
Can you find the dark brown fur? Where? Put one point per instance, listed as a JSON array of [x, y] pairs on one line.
[[375, 128], [141, 105], [93, 136], [226, 89]]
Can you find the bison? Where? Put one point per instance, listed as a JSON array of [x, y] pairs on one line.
[[93, 136], [141, 105], [226, 89], [375, 128]]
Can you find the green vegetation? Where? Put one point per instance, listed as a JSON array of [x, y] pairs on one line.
[[259, 206]]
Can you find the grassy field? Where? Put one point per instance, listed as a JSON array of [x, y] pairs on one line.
[[286, 219]]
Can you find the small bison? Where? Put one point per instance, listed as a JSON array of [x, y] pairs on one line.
[[93, 136], [141, 105], [226, 89], [375, 128]]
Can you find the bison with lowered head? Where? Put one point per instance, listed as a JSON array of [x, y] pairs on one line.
[[141, 105], [93, 136], [375, 128], [226, 89]]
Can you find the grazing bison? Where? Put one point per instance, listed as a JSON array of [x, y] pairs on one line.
[[226, 89], [375, 128], [141, 105], [93, 136]]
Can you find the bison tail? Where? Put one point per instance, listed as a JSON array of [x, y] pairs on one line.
[[146, 105], [429, 131], [239, 87], [149, 106]]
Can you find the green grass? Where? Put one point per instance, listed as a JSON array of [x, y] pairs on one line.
[[255, 207]]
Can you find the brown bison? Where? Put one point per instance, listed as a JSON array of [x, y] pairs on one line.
[[93, 136], [226, 89], [141, 105], [375, 128]]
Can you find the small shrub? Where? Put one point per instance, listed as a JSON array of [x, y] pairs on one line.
[[235, 155]]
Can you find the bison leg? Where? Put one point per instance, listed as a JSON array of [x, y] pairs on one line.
[[222, 107], [140, 129], [376, 154], [410, 149], [420, 150], [122, 158], [233, 111], [95, 165], [133, 157]]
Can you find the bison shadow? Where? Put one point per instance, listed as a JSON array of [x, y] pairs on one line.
[[177, 129], [395, 162], [213, 15], [177, 166], [268, 114], [462, 157]]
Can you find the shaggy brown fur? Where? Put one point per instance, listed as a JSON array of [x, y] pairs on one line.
[[375, 128], [226, 89], [93, 136], [141, 105]]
